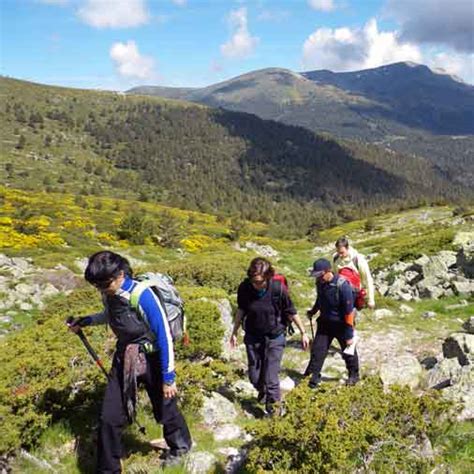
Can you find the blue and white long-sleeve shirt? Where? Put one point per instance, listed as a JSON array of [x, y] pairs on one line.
[[123, 321]]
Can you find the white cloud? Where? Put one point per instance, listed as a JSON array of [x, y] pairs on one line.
[[438, 22], [242, 44], [130, 63], [457, 64], [114, 13], [322, 5], [346, 49]]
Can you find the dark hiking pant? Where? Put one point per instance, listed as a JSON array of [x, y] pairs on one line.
[[325, 334], [264, 362], [113, 416]]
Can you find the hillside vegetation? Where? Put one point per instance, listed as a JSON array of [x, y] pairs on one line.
[[203, 159], [50, 389]]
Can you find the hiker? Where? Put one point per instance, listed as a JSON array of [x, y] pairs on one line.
[[265, 309], [144, 353], [335, 303], [353, 266]]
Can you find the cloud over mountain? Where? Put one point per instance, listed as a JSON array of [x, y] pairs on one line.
[[130, 63], [241, 44]]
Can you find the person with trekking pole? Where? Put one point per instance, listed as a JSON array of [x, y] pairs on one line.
[[144, 354], [266, 310], [335, 303]]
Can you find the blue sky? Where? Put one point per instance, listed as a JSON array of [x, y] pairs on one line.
[[116, 44]]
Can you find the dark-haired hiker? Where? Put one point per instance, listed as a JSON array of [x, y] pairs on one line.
[[335, 302], [148, 347], [266, 309]]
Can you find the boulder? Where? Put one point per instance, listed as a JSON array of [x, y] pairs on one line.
[[382, 313], [200, 462], [401, 370], [469, 325], [463, 288], [444, 373], [244, 388], [287, 384], [218, 410], [460, 346], [227, 432], [430, 289]]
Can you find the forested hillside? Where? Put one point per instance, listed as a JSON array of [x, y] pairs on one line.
[[199, 158]]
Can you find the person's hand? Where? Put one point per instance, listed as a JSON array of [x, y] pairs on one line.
[[233, 341], [170, 391], [304, 341], [73, 324], [349, 342]]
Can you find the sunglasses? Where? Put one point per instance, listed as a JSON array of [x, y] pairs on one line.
[[103, 285]]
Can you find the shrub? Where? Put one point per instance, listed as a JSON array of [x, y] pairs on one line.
[[217, 271], [205, 331], [344, 429]]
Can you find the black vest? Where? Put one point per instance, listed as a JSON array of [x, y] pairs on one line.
[[125, 322]]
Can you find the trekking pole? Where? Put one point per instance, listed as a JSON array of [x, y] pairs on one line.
[[97, 360], [89, 348], [312, 329]]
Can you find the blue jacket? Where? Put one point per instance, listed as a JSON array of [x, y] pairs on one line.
[[130, 329], [336, 308]]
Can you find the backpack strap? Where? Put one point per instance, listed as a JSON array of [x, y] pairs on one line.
[[137, 291]]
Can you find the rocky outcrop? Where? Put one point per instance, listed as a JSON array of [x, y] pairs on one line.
[[454, 373], [444, 274]]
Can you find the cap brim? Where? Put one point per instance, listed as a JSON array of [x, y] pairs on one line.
[[317, 274]]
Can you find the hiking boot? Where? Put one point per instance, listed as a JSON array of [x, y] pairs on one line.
[[272, 410], [173, 457], [352, 380]]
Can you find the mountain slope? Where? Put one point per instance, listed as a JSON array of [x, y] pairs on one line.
[[198, 158], [402, 106]]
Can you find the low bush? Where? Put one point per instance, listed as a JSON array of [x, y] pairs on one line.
[[205, 331], [346, 429], [217, 271]]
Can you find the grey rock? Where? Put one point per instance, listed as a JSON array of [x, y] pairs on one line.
[[244, 388], [429, 289], [449, 257], [460, 346], [404, 308], [218, 410], [263, 250], [200, 462], [401, 370], [287, 384], [469, 325], [464, 288], [447, 371], [382, 313], [227, 432]]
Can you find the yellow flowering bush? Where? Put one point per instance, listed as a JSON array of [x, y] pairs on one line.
[[197, 243]]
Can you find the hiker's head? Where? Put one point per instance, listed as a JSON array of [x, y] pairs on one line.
[[342, 246], [322, 270], [106, 271], [260, 272]]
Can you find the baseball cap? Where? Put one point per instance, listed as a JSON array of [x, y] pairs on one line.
[[320, 267]]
